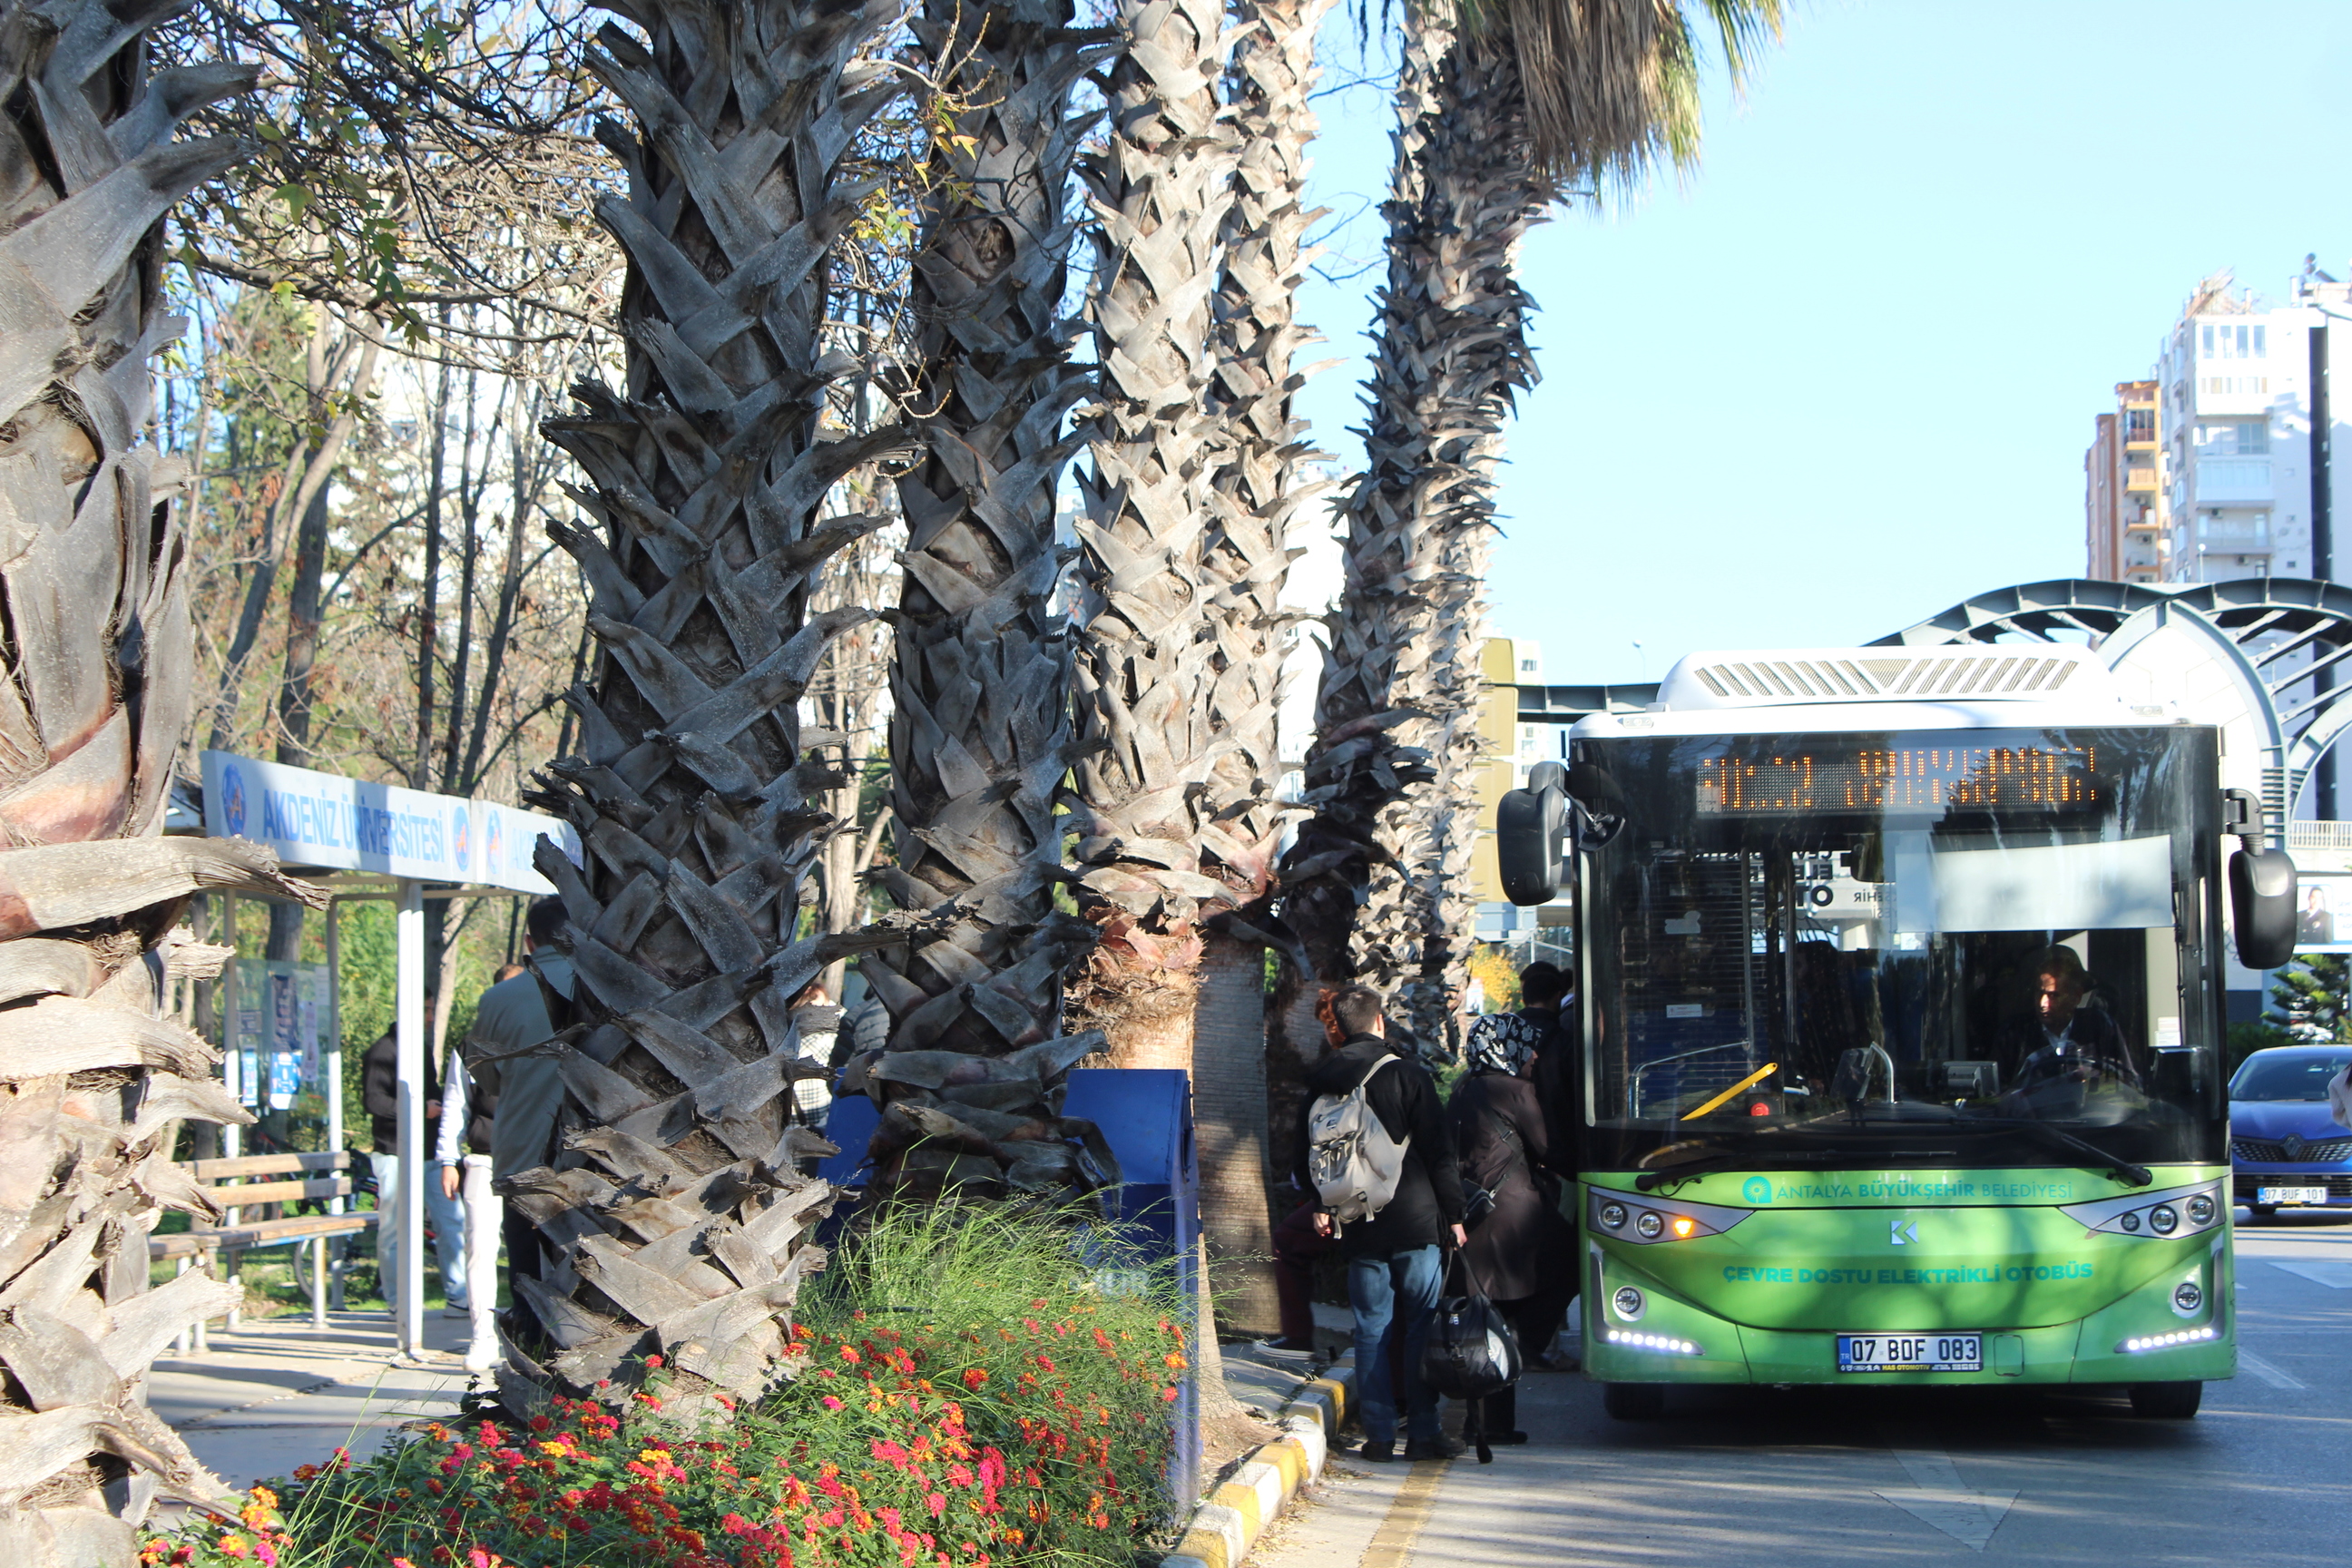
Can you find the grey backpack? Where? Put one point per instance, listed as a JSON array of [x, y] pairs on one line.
[[1353, 1161]]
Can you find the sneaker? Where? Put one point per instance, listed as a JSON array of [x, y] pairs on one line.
[[455, 1311], [1379, 1453], [1280, 1348], [482, 1355], [1439, 1448]]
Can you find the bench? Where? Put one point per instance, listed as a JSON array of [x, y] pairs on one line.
[[250, 1180]]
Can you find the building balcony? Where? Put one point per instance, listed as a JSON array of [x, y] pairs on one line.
[[2140, 479], [2228, 481]]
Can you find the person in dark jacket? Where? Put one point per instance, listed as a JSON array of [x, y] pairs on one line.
[[380, 1095], [1521, 1253], [1548, 1000], [1392, 1256]]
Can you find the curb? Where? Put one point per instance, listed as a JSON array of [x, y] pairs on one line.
[[1229, 1520]]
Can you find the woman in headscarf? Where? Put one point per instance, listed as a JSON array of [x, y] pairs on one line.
[[1519, 1252]]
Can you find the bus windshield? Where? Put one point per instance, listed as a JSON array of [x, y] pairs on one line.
[[1981, 948]]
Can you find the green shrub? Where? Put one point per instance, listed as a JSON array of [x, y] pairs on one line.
[[975, 1387]]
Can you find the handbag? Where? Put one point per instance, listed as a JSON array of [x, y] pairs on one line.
[[1470, 1354]]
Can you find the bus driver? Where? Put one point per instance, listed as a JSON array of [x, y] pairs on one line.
[[2078, 1045]]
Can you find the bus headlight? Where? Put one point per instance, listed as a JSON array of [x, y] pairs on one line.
[[1614, 1215], [2188, 1296], [1630, 1303], [2129, 1222], [2201, 1210], [2164, 1219], [1648, 1225]]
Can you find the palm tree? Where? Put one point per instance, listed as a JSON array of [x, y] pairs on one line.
[[1493, 127], [981, 734], [679, 1204], [1158, 719], [94, 703], [1262, 482]]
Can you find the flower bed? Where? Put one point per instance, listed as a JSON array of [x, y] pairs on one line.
[[968, 1394]]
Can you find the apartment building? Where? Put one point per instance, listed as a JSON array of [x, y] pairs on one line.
[[2123, 490], [2220, 467]]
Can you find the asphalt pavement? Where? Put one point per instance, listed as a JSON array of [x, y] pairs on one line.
[[1887, 1478]]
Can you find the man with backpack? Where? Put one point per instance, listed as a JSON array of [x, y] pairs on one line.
[[1376, 1149]]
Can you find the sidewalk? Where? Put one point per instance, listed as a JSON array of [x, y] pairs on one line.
[[277, 1393]]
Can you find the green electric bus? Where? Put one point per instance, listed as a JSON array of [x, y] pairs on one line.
[[1901, 1022]]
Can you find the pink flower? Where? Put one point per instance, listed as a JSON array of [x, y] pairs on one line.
[[830, 1402]]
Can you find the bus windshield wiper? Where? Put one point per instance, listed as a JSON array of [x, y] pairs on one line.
[[1717, 1159], [2123, 1171]]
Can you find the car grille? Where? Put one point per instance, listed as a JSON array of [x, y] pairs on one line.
[[2242, 1188], [2268, 1150]]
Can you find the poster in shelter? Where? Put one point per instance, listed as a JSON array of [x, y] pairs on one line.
[[2323, 920]]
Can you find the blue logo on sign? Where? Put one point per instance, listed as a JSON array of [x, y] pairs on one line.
[[1758, 1190], [231, 799], [493, 841], [461, 836]]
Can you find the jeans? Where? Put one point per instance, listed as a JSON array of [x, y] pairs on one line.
[[445, 1217], [1394, 1296]]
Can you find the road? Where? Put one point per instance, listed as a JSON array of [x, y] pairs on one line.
[[1755, 1478]]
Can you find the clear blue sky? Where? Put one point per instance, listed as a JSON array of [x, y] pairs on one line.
[[1845, 375]]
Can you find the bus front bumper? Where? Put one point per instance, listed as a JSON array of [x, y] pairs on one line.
[[2143, 1337]]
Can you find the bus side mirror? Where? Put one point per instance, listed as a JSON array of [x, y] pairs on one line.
[[1530, 825], [2262, 906]]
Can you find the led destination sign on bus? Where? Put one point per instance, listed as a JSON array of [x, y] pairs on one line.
[[1902, 779]]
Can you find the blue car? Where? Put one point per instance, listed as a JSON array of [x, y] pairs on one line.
[[2284, 1151]]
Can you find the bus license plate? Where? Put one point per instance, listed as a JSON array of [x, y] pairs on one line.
[[2290, 1195], [1910, 1353]]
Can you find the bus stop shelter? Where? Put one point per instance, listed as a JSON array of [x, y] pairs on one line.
[[378, 842]]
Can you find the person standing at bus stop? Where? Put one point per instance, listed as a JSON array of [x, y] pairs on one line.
[[380, 1097], [1548, 1000], [513, 1016], [1522, 1252], [1394, 1255]]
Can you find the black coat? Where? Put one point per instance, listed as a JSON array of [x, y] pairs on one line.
[[380, 1093], [1558, 1078], [1428, 1201], [1520, 1247]]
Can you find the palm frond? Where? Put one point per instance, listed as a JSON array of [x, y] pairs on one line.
[[1612, 85]]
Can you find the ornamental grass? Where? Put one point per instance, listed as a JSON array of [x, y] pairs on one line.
[[975, 1387]]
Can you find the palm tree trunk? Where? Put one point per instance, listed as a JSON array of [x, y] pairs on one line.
[[1157, 719], [1258, 491], [679, 1209], [1378, 873], [95, 697], [981, 734]]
